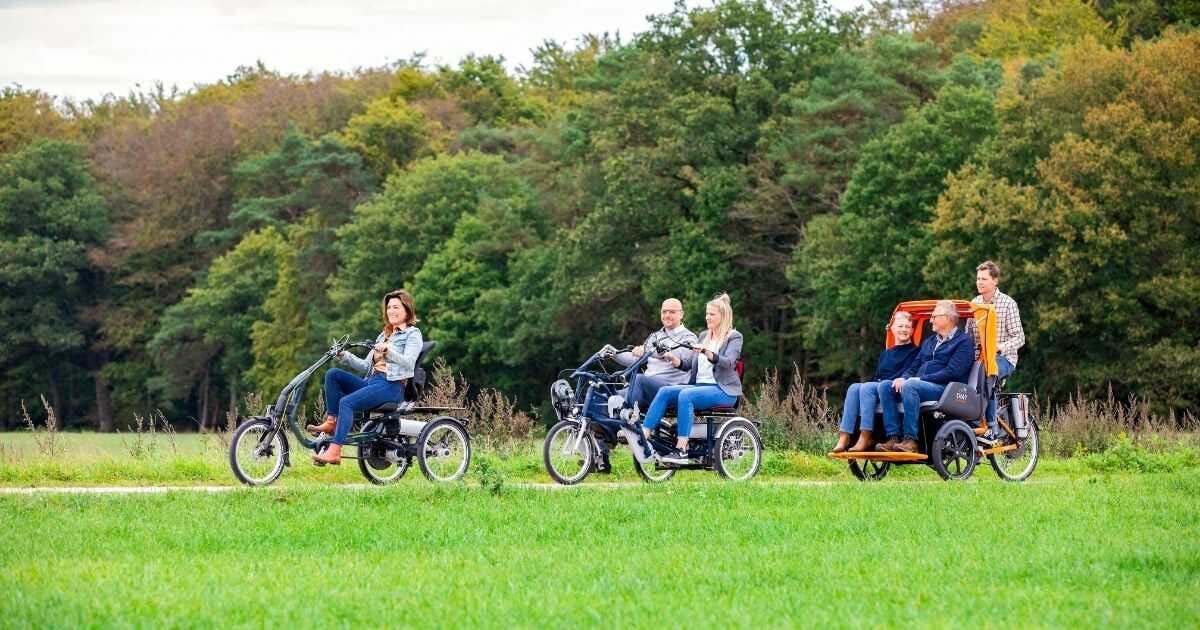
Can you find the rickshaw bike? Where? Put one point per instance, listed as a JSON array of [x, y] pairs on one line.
[[387, 437], [953, 430], [591, 423]]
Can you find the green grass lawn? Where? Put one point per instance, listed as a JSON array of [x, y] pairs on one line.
[[1106, 551], [92, 459]]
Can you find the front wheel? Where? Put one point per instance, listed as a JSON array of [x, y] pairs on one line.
[[257, 453], [869, 470], [952, 452], [444, 450], [738, 453], [566, 453]]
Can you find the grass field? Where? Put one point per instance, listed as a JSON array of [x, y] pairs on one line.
[[91, 459], [1107, 551]]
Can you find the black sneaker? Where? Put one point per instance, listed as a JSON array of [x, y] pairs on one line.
[[677, 456]]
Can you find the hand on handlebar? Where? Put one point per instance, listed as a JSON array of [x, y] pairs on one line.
[[608, 351]]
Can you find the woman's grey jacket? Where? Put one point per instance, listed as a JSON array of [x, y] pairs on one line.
[[724, 370], [404, 346]]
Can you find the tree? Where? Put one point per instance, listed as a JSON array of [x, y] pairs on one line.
[[203, 342], [51, 219], [1098, 238], [854, 267]]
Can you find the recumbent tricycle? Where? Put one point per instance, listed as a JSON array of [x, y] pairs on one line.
[[388, 437]]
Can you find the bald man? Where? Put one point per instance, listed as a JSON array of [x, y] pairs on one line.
[[671, 368]]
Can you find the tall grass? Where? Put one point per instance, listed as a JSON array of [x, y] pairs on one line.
[[800, 418], [1081, 426]]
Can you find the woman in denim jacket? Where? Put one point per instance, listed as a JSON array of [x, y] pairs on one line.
[[385, 369]]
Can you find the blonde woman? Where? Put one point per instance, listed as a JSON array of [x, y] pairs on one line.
[[713, 379]]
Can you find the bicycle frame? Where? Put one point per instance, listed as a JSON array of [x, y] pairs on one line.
[[287, 404]]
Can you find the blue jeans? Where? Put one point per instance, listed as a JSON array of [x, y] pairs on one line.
[[642, 390], [1003, 369], [912, 394], [346, 394], [860, 404], [889, 401], [687, 399]]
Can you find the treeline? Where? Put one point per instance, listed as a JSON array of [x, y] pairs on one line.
[[178, 250]]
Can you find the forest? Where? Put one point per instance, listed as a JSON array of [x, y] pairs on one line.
[[179, 248]]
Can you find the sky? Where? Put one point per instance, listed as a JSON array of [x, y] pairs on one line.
[[87, 48]]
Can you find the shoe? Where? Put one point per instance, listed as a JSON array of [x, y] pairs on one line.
[[325, 427], [331, 456], [865, 441], [907, 446], [677, 456], [889, 445], [842, 443]]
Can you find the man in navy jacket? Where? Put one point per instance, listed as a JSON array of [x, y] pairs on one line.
[[945, 357]]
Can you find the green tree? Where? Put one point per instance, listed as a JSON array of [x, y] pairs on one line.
[[854, 267], [1098, 238], [203, 342], [391, 133], [52, 219]]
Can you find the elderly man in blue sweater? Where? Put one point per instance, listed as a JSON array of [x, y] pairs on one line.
[[945, 357]]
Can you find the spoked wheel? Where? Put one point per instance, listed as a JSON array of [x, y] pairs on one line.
[[444, 450], [257, 453], [381, 463], [567, 454], [1018, 464], [953, 450], [738, 453], [869, 470]]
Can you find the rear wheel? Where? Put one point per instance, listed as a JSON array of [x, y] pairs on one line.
[[444, 450], [869, 470], [738, 453], [952, 452], [382, 463], [567, 454], [1017, 464], [650, 470], [257, 453]]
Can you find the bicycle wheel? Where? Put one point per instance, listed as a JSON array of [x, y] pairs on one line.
[[567, 455], [257, 453]]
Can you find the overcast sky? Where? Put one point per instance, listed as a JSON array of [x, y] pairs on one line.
[[87, 48]]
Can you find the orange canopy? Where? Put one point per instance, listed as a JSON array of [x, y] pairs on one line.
[[983, 314]]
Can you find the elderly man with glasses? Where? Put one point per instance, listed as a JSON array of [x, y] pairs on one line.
[[945, 357]]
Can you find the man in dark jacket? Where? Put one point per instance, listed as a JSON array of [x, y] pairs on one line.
[[945, 357]]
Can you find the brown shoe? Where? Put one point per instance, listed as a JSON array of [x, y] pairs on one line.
[[907, 446], [325, 427], [866, 440], [331, 456], [889, 445], [843, 442]]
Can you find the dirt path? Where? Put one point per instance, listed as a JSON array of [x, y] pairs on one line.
[[604, 485]]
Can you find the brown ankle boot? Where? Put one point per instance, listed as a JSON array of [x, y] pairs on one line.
[[331, 456], [325, 427], [889, 445], [866, 439], [907, 446], [843, 442]]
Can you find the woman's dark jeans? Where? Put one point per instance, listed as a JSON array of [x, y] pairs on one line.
[[346, 394]]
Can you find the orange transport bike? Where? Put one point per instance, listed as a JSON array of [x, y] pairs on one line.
[[953, 429]]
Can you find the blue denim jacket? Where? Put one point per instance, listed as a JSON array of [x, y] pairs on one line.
[[403, 348]]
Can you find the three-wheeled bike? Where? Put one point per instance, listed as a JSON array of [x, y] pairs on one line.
[[388, 437], [953, 430], [588, 404]]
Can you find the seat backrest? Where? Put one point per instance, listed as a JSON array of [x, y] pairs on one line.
[[415, 388], [740, 367], [977, 380]]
